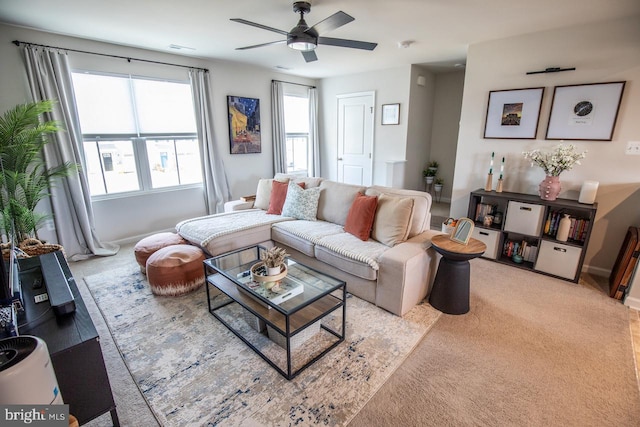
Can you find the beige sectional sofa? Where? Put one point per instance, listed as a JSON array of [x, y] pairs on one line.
[[394, 276]]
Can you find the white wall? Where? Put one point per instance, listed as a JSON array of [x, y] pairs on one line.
[[129, 217], [601, 52], [391, 86], [419, 143], [449, 88]]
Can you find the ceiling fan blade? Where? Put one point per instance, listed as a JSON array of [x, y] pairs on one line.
[[261, 45], [336, 20], [254, 24], [309, 55], [347, 43]]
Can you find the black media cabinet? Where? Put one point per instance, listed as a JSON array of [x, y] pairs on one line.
[[73, 343]]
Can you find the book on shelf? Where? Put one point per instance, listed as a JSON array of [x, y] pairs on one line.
[[577, 230], [522, 248], [482, 210]]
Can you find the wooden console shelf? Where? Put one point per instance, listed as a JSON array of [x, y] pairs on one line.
[[527, 224]]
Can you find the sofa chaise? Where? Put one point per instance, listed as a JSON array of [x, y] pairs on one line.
[[393, 269]]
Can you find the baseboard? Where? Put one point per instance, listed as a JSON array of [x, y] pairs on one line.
[[632, 302], [596, 271], [137, 238], [442, 199]]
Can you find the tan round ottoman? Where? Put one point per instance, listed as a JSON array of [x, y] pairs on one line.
[[175, 270], [147, 246]]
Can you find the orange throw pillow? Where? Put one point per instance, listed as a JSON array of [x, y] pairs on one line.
[[361, 215], [278, 196]]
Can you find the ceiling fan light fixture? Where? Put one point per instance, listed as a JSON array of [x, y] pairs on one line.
[[303, 46], [302, 41]]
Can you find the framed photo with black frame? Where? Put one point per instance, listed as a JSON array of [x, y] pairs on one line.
[[513, 113], [244, 125], [391, 114], [585, 112]]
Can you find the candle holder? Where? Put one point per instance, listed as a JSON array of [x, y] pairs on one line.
[[499, 187], [489, 185]]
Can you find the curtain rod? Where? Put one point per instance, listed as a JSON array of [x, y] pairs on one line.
[[129, 59], [291, 83]]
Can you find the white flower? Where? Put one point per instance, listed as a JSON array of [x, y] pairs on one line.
[[561, 159]]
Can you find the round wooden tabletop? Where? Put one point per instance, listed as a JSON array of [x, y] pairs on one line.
[[474, 247]]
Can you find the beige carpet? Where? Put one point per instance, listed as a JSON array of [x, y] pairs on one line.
[[533, 351]]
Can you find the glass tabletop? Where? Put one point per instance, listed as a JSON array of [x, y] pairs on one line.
[[301, 286]]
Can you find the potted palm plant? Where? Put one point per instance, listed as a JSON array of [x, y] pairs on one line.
[[24, 176]]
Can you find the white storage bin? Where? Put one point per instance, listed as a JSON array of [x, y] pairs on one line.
[[558, 259], [491, 238], [524, 218]]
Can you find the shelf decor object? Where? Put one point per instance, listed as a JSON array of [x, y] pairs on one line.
[[513, 114], [489, 184], [500, 180], [588, 192], [562, 158], [585, 112]]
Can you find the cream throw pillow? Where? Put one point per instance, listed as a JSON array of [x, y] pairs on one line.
[[263, 192], [393, 217]]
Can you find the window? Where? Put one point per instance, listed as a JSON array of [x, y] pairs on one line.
[[138, 134], [296, 124]]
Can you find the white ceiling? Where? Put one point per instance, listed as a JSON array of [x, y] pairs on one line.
[[441, 30]]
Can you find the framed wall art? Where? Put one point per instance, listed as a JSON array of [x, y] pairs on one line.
[[391, 114], [244, 125], [514, 113], [585, 112]]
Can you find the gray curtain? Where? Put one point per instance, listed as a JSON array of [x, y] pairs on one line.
[[279, 134], [216, 186], [314, 164], [49, 76]]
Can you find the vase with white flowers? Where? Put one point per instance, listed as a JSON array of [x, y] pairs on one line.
[[560, 159]]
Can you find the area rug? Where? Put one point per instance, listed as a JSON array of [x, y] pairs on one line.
[[193, 371]]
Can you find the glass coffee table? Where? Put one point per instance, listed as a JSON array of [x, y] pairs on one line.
[[291, 328]]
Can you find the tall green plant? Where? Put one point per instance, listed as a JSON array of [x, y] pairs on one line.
[[25, 177]]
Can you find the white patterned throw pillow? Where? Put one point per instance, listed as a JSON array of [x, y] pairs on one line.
[[301, 204]]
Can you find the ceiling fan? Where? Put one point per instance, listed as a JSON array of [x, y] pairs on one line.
[[305, 38]]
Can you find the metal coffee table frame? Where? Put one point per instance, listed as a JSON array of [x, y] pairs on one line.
[[289, 318]]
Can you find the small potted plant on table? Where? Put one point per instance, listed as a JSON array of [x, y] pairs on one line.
[[271, 268]]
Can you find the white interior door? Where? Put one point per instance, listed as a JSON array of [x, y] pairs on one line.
[[355, 138]]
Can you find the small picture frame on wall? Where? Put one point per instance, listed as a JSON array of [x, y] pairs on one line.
[[513, 113], [586, 112], [391, 114], [244, 125]]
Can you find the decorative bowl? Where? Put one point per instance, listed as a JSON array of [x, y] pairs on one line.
[[262, 278], [517, 259]]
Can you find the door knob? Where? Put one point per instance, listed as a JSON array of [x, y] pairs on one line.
[[339, 158]]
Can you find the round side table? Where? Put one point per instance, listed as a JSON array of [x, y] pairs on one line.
[[450, 292]]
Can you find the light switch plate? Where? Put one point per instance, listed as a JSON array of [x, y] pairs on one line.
[[633, 147]]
